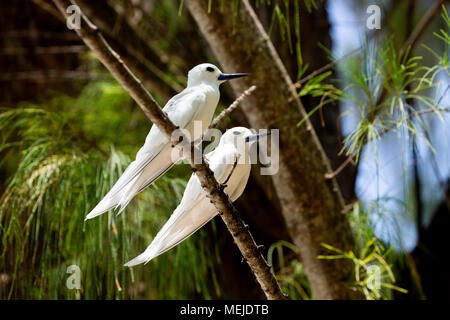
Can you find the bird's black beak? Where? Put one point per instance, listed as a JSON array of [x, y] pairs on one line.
[[256, 137], [229, 76]]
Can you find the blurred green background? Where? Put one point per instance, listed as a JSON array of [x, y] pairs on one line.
[[68, 130]]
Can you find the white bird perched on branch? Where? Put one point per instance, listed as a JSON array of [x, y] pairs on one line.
[[195, 103], [231, 165]]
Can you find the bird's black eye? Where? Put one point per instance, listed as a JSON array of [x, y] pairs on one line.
[[210, 69], [236, 133]]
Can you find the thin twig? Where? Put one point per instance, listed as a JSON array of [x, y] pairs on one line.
[[45, 5], [89, 33], [231, 107], [129, 43], [299, 83], [409, 43], [226, 112], [349, 160], [329, 65], [322, 120], [421, 26], [344, 164], [231, 172], [443, 95], [412, 115]]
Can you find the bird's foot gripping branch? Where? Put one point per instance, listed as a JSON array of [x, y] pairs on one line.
[[267, 153]]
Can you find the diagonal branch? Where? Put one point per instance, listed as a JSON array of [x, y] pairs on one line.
[[423, 24], [137, 52], [408, 45], [231, 107], [89, 33], [350, 158], [311, 205], [226, 112]]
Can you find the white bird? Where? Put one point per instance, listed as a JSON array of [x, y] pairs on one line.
[[231, 165], [195, 103]]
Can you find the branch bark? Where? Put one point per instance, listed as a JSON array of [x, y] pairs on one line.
[[422, 25], [89, 33], [311, 204], [350, 159], [231, 107], [408, 45], [136, 53]]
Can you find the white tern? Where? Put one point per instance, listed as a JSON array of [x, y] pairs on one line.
[[195, 103], [231, 165]]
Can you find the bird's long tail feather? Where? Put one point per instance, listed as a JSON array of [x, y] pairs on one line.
[[181, 225], [126, 180], [158, 167]]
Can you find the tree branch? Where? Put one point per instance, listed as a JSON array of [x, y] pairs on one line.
[[310, 205], [329, 65], [226, 112], [409, 43], [350, 159], [88, 32], [231, 107], [422, 25], [129, 44]]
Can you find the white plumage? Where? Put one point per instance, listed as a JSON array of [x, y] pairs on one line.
[[195, 103], [195, 209]]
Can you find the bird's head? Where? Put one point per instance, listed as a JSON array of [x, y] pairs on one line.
[[209, 73], [241, 137]]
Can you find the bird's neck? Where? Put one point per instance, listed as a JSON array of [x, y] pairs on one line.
[[214, 86]]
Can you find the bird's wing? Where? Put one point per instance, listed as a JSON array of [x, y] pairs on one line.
[[194, 211], [154, 158], [181, 111], [183, 107], [145, 155], [155, 169]]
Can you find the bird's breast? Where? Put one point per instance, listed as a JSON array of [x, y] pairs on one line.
[[205, 114], [238, 181]]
